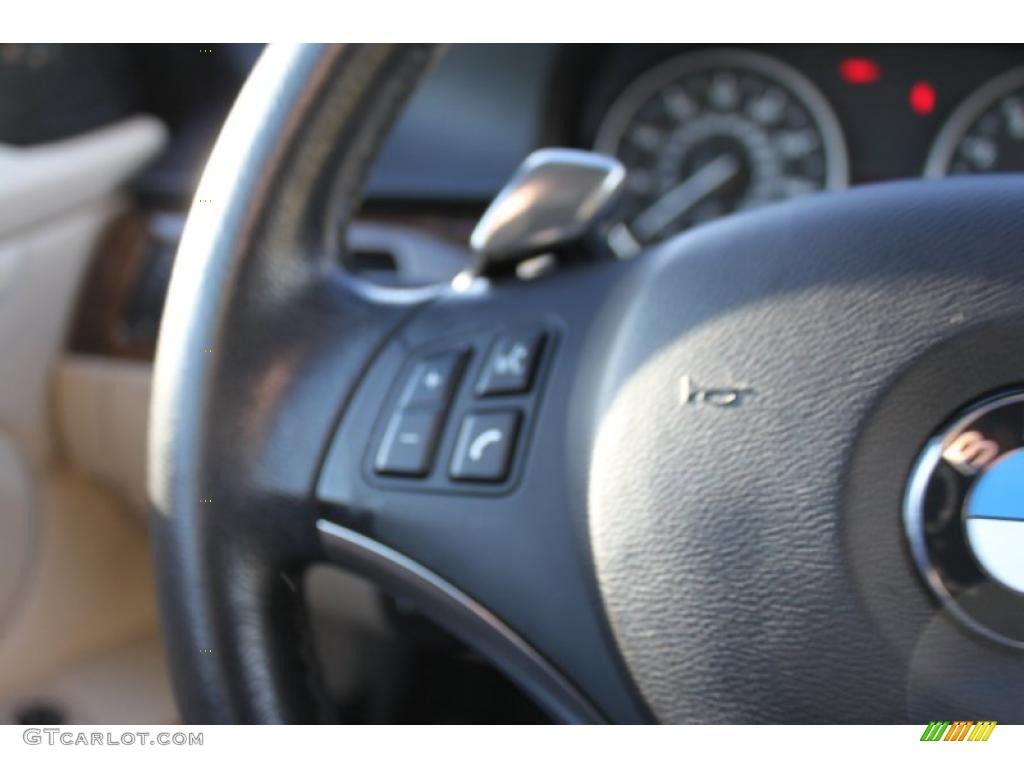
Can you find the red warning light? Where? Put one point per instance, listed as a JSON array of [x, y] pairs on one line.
[[859, 71], [922, 97]]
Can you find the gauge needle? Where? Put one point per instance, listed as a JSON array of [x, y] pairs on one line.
[[684, 196]]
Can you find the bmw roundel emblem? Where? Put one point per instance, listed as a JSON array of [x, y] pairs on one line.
[[995, 520], [964, 515]]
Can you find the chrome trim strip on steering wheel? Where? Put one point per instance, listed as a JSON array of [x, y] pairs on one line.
[[461, 615]]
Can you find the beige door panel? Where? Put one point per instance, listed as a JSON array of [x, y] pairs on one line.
[[75, 583]]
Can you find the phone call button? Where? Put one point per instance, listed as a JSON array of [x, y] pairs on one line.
[[483, 450]]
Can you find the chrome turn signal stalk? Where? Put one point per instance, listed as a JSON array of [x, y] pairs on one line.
[[553, 202]]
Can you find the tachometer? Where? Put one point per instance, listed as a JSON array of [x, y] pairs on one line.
[[985, 134], [709, 133]]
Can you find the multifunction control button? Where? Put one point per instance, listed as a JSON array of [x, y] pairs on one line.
[[510, 365], [433, 380], [477, 428], [414, 428], [483, 450], [409, 442]]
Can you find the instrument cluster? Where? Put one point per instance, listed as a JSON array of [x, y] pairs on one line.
[[705, 132]]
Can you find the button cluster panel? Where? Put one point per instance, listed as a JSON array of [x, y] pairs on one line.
[[458, 415], [411, 437]]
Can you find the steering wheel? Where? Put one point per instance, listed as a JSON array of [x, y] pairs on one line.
[[666, 488]]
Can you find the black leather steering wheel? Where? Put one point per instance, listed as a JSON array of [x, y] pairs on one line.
[[699, 518]]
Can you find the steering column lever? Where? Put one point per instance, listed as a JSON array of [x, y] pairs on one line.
[[552, 203]]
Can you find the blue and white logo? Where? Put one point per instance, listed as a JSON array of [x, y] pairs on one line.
[[964, 517], [995, 520]]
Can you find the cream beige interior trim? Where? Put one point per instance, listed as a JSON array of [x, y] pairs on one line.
[[125, 684], [65, 188], [77, 595], [102, 407], [40, 182], [78, 626], [42, 270], [89, 589]]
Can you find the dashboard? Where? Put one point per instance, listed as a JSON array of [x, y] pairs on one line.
[[880, 111], [704, 131], [708, 130]]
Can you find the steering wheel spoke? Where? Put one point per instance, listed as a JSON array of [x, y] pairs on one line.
[[459, 453]]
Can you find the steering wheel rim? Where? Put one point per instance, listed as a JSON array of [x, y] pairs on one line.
[[595, 571], [219, 580], [230, 581]]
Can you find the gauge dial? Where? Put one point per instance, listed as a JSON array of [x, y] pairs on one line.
[[710, 133], [986, 132]]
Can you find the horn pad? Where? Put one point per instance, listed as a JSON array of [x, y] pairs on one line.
[[769, 382]]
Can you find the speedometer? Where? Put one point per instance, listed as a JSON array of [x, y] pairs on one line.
[[986, 132], [714, 132]]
